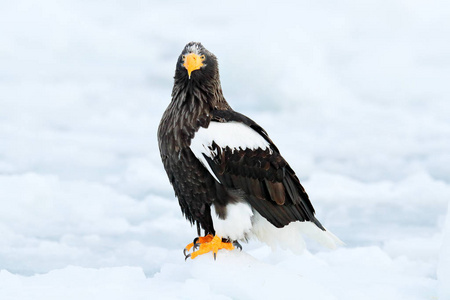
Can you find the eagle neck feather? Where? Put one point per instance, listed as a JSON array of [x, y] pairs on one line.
[[189, 110]]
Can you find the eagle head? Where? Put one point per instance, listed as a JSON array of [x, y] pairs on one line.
[[196, 63]]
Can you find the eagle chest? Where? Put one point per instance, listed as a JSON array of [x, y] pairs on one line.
[[192, 183]]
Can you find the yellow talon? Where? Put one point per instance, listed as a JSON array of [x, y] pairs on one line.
[[204, 239], [198, 240], [207, 244]]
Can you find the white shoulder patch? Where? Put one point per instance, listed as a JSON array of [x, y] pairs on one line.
[[234, 135]]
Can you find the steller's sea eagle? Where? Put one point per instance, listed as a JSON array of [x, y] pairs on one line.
[[228, 175]]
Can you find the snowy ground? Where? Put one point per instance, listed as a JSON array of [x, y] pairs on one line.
[[355, 94]]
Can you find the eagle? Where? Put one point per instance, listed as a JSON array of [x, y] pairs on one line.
[[229, 177]]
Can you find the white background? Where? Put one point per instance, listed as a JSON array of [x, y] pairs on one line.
[[354, 93]]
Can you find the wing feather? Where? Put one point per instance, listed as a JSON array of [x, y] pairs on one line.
[[240, 155]]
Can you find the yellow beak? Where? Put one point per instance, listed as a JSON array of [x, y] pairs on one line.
[[192, 62]]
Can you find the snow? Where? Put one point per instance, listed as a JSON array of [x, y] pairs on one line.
[[361, 89], [443, 271]]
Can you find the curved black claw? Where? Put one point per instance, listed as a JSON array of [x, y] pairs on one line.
[[237, 245], [196, 245], [184, 251], [215, 255], [187, 256]]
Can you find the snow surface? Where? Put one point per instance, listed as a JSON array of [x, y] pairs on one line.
[[443, 271], [355, 94]]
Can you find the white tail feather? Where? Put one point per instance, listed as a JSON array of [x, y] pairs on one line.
[[289, 237]]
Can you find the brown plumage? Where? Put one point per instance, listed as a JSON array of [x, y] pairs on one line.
[[209, 178]]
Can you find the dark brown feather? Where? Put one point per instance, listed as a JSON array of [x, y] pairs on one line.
[[276, 191]]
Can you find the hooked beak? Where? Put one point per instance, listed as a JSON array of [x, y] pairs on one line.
[[192, 62]]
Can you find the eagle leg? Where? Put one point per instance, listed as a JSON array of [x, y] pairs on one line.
[[214, 245], [202, 239], [196, 242]]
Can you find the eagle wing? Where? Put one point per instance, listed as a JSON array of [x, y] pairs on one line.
[[239, 154]]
